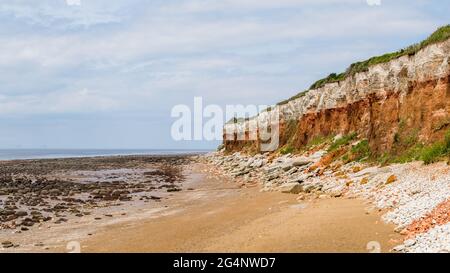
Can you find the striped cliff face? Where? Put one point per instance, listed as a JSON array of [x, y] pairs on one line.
[[408, 95]]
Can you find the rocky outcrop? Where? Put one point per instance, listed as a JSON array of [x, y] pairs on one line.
[[405, 95]]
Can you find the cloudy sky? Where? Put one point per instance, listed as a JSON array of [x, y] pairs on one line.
[[106, 73]]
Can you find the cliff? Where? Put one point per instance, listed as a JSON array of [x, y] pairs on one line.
[[388, 103]]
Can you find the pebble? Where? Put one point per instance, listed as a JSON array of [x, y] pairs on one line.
[[406, 191], [7, 244]]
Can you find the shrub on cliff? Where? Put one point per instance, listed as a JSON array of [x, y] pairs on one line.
[[344, 140], [436, 151]]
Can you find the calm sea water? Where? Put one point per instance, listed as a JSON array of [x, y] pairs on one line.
[[10, 154]]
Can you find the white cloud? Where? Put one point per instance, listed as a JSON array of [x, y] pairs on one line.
[[166, 50], [80, 101], [62, 14]]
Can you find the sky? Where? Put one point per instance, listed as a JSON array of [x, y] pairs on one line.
[[106, 73]]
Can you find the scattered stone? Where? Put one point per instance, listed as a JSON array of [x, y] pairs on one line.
[[7, 244], [21, 213], [323, 196], [299, 162], [409, 243], [399, 248], [364, 181], [294, 188], [391, 179]]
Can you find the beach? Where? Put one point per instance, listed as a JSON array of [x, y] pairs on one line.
[[47, 203], [171, 204]]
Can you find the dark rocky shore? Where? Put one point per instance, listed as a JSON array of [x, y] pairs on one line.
[[55, 190]]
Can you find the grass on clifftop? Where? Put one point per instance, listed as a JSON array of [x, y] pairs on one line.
[[440, 35], [299, 95]]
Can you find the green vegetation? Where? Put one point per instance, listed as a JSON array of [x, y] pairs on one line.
[[361, 150], [333, 77], [299, 95], [358, 152], [289, 137], [417, 151], [286, 150], [344, 140], [319, 140], [440, 35], [436, 151]]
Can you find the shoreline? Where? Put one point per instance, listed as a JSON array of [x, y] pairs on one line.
[[156, 153], [224, 216], [219, 203], [209, 210], [69, 196]]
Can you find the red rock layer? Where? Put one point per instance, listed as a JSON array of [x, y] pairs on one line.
[[423, 110]]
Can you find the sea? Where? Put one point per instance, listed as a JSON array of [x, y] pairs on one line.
[[16, 154]]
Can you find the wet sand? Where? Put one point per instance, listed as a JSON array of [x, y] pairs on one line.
[[47, 204], [220, 216], [207, 212]]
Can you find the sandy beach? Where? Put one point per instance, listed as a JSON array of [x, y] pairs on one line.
[[207, 213]]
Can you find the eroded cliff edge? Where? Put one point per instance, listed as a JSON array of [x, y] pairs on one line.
[[407, 96]]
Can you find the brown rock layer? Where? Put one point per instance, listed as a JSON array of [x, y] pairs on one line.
[[424, 110]]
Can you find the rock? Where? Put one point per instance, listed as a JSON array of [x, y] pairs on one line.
[[273, 169], [298, 162], [294, 188], [317, 155], [273, 176], [364, 181], [400, 228], [241, 173], [286, 167], [305, 176], [404, 232], [409, 243], [28, 223], [7, 244], [336, 194], [292, 171], [21, 213], [257, 163], [391, 179], [399, 248], [311, 187], [337, 137], [296, 180]]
